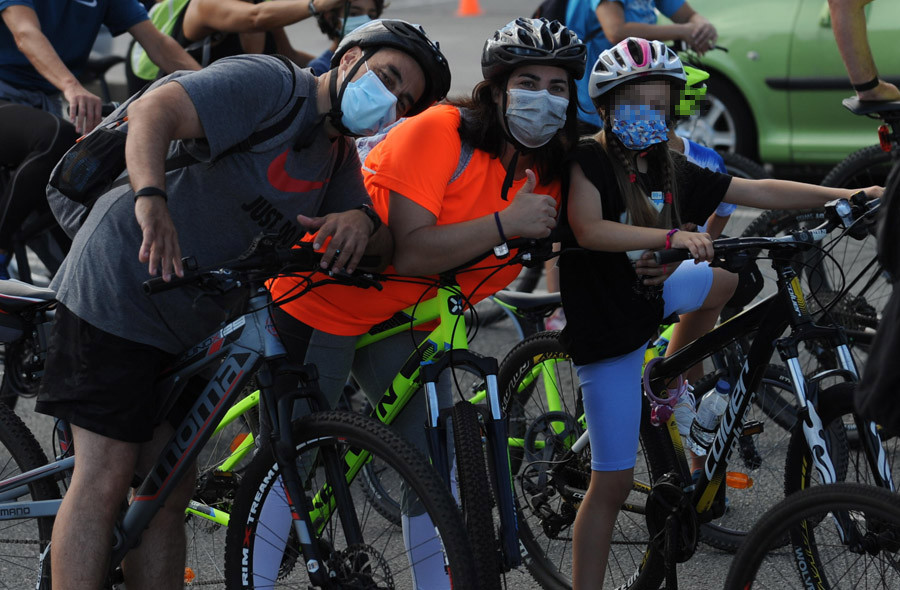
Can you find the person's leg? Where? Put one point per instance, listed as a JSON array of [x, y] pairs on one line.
[[702, 319], [33, 142], [698, 292], [158, 562], [82, 532], [612, 406]]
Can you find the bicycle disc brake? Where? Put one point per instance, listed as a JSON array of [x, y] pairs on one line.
[[551, 469], [667, 499], [361, 567]]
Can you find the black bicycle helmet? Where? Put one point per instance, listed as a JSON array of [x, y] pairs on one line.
[[532, 41], [411, 39]]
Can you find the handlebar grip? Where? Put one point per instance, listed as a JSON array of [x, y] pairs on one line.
[[672, 255], [369, 261], [158, 285]]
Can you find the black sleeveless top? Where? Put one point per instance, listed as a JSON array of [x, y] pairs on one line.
[[607, 315]]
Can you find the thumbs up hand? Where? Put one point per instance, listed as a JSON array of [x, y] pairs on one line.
[[530, 215]]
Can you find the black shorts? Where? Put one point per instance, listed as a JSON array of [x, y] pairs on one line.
[[101, 382]]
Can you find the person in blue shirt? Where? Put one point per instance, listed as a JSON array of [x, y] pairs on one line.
[[340, 21], [44, 45], [603, 23]]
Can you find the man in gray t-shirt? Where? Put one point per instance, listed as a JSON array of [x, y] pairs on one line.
[[111, 341]]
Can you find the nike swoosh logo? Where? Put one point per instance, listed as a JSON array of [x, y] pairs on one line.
[[281, 180], [88, 3]]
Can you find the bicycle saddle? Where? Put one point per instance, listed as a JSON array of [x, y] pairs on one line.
[[870, 107], [527, 300]]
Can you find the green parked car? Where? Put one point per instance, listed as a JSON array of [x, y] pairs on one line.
[[775, 95]]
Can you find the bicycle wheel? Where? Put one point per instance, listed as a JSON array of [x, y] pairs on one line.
[[818, 557], [23, 541], [475, 496], [742, 166], [262, 551], [835, 405], [541, 396], [863, 168], [852, 266], [220, 468]]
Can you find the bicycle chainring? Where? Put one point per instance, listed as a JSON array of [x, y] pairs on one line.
[[667, 499]]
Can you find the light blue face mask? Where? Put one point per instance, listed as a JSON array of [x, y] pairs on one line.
[[639, 126], [367, 105], [534, 116], [351, 23]]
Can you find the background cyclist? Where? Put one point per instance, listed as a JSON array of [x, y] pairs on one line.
[[604, 23], [213, 29], [110, 341], [44, 44], [338, 22]]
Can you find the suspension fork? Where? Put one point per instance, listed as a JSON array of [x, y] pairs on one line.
[[497, 431]]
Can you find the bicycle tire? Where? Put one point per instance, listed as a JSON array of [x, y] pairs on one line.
[[24, 540], [854, 267], [836, 409], [546, 517], [762, 563], [865, 167], [249, 536], [475, 494], [742, 166]]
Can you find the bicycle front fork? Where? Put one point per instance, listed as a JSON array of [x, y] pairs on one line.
[[496, 428]]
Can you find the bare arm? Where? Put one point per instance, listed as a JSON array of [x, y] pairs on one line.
[[84, 107], [848, 21], [284, 47], [770, 193], [423, 248], [204, 17], [163, 50], [155, 119], [596, 233]]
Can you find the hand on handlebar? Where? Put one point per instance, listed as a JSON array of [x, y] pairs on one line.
[[654, 273], [530, 215], [349, 233], [699, 244], [159, 249], [84, 108], [701, 35]]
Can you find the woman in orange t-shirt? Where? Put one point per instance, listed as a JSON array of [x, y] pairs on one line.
[[514, 134]]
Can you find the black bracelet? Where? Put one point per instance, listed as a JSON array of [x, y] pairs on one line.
[[151, 191], [499, 227], [373, 217], [866, 85]]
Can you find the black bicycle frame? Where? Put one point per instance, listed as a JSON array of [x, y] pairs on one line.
[[769, 318]]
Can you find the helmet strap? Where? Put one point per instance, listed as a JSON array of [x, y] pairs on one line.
[[510, 174], [336, 114]]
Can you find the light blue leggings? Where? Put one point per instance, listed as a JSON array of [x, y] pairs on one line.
[[612, 387]]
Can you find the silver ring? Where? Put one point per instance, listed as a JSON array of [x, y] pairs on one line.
[[337, 252]]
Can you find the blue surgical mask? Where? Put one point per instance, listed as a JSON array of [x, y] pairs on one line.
[[534, 116], [367, 105], [351, 23], [639, 126]]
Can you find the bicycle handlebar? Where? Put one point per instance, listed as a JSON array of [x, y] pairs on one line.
[[263, 260], [838, 213]]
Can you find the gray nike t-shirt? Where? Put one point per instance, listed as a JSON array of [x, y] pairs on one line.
[[217, 206]]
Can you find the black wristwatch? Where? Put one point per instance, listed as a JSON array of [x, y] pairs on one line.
[[312, 8], [373, 216]]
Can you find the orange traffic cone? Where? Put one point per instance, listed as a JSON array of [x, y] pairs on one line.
[[469, 8]]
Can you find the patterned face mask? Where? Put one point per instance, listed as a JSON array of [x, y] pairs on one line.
[[639, 126]]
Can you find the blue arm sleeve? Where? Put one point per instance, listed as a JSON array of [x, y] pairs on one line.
[[669, 7]]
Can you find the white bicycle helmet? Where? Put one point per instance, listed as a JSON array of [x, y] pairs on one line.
[[631, 59]]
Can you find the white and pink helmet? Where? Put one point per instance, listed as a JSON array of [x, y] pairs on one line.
[[631, 59]]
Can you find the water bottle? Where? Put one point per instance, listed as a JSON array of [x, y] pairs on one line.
[[712, 406]]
